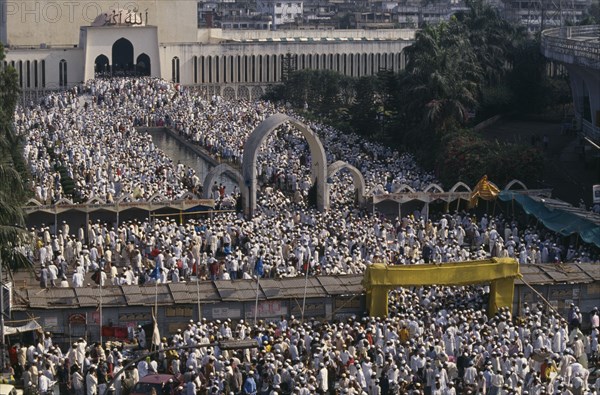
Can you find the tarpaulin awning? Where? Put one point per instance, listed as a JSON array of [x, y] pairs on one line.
[[559, 216], [30, 326]]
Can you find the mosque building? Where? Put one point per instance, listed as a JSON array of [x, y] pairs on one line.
[[58, 44]]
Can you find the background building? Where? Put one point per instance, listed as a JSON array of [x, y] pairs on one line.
[[55, 48], [282, 11]]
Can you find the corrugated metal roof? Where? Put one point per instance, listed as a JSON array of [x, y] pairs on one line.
[[294, 288], [113, 296], [565, 273], [236, 291], [533, 275], [562, 273], [159, 293], [185, 293], [335, 285], [87, 297], [133, 295], [37, 298], [245, 290], [591, 269], [271, 288]]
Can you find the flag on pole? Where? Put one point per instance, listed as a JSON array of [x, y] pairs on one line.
[[155, 274], [259, 269]]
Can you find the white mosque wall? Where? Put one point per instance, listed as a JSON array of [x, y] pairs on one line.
[[100, 40], [223, 57], [46, 64], [261, 62]]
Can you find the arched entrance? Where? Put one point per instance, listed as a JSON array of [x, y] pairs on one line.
[[215, 173], [142, 65], [122, 57], [357, 177], [501, 273], [101, 65], [256, 138]]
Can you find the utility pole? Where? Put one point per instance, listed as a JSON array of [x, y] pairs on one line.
[[2, 343], [198, 288]]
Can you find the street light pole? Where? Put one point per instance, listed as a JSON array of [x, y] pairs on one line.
[[305, 289]]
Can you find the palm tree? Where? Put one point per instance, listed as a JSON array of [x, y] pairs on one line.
[[12, 191], [491, 36], [443, 76]]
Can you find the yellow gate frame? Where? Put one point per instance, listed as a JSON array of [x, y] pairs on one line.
[[499, 272]]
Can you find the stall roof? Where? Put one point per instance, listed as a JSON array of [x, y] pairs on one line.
[[237, 291], [564, 273], [51, 297], [186, 293], [272, 289], [533, 275], [293, 288], [133, 295], [245, 290], [591, 269], [87, 297], [335, 285], [159, 293]]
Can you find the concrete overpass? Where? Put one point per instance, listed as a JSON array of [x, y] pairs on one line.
[[578, 48]]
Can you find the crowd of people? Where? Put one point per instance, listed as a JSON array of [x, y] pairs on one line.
[[286, 244], [90, 132], [436, 341]]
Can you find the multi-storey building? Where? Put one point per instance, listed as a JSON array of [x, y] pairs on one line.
[[54, 46]]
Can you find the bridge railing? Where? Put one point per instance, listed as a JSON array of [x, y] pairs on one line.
[[562, 44], [588, 129]]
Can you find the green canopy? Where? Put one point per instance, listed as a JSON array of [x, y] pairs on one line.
[[558, 216]]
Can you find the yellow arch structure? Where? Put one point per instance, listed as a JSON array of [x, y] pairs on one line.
[[499, 272]]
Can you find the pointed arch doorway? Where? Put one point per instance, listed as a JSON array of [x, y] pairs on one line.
[[122, 58], [142, 65], [101, 65]]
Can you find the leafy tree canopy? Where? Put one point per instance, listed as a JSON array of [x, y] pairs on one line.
[[12, 191]]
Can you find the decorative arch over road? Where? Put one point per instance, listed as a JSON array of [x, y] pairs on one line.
[[459, 185], [513, 183], [404, 188], [499, 272], [249, 161], [434, 188], [215, 173], [357, 177]]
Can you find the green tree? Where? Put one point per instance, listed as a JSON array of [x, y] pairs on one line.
[[12, 191], [442, 76], [323, 93], [592, 15], [466, 156], [491, 37], [364, 109], [528, 79]]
